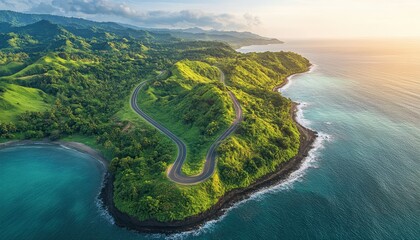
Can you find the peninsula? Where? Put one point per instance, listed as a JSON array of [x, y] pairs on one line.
[[189, 127]]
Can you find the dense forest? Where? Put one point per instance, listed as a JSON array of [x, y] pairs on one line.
[[73, 84]]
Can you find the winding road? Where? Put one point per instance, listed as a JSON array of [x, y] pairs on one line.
[[175, 172]]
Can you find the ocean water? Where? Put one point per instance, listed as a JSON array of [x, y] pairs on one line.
[[361, 181]]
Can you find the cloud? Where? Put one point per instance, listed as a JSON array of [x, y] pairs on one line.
[[13, 4], [44, 8], [179, 19], [252, 20]]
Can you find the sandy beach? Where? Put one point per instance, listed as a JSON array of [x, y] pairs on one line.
[[80, 147]]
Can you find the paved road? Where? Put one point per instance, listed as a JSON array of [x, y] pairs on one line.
[[175, 172]]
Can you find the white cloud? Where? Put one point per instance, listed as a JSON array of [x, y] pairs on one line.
[[156, 18]]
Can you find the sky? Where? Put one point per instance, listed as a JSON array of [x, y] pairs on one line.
[[284, 19]]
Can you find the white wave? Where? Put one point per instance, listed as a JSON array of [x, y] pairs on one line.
[[205, 228], [287, 85], [290, 78], [297, 176], [85, 154], [300, 118], [312, 68], [103, 211], [65, 147]]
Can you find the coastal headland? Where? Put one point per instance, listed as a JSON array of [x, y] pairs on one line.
[[307, 138]]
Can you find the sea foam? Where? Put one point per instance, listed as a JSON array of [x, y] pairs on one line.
[[297, 176], [65, 147], [308, 162], [312, 68], [103, 211], [300, 118]]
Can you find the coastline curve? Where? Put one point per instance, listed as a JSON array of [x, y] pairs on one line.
[[282, 172], [231, 198]]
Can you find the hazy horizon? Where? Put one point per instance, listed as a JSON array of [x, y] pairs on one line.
[[298, 19]]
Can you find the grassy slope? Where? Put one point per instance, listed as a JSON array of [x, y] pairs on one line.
[[266, 138], [10, 68], [17, 99], [126, 114], [193, 98], [187, 103], [152, 187], [49, 62]]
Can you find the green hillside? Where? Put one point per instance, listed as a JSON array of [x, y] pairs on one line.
[[88, 29], [266, 138], [192, 103], [76, 86], [15, 100]]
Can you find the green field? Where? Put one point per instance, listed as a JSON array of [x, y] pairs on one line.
[[10, 68], [15, 100]]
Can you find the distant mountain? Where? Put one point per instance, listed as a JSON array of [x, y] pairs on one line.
[[249, 35], [47, 36], [87, 28], [43, 30], [21, 19], [12, 21], [38, 35], [233, 38]]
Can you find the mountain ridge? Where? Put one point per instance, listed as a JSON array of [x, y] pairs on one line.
[[233, 38]]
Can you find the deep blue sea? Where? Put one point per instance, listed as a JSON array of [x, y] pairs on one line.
[[361, 181]]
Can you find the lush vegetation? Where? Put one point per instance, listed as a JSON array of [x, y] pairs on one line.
[[73, 84], [85, 28], [266, 137], [16, 100], [193, 104]]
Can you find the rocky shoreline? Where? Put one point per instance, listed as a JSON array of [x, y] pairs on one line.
[[307, 138]]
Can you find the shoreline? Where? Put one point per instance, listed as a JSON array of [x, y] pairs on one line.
[[80, 147], [289, 78], [261, 44], [283, 171]]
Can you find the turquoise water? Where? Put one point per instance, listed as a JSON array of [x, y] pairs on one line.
[[361, 182]]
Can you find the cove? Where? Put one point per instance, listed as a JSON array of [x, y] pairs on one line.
[[49, 192]]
